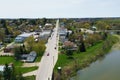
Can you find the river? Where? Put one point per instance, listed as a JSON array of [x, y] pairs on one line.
[[106, 68]]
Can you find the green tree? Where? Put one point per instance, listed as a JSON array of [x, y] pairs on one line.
[[86, 25], [6, 29], [7, 72], [30, 43], [13, 73], [39, 48], [101, 25], [82, 47], [2, 35]]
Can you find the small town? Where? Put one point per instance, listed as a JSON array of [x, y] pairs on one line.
[[59, 40]]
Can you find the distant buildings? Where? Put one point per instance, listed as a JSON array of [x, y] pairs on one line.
[[45, 34], [20, 38], [63, 32]]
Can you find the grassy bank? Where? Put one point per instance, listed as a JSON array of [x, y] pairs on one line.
[[83, 59]]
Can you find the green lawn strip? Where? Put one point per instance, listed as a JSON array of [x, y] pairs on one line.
[[38, 59], [8, 59], [30, 78], [25, 69]]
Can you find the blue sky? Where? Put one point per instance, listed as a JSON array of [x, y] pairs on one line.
[[59, 8]]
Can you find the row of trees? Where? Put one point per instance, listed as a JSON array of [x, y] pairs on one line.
[[10, 73]]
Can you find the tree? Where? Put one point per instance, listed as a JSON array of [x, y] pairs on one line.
[[13, 73], [20, 77], [2, 35], [7, 72], [44, 20], [82, 47], [6, 29], [30, 43], [101, 25], [39, 48], [86, 25]]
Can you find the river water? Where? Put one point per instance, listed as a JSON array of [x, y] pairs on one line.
[[106, 68]]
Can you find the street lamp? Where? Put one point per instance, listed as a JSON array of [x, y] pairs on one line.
[[59, 70]]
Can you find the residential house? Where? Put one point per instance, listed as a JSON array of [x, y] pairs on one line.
[[62, 34], [69, 45], [45, 34], [29, 57]]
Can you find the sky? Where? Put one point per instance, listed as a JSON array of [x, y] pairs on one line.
[[59, 8]]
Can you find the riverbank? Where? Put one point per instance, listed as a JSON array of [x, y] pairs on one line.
[[83, 59]]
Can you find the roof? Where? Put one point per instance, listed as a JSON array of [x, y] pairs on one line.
[[31, 57], [46, 32], [26, 34], [1, 68], [33, 53], [48, 24]]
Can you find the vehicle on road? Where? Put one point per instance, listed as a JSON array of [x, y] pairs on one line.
[[47, 54]]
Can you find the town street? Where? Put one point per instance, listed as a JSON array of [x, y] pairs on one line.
[[50, 56]]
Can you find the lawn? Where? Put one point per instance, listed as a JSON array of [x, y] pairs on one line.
[[38, 59], [26, 69], [29, 78], [8, 59], [63, 59], [18, 64]]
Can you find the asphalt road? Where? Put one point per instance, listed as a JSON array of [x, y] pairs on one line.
[[50, 57]]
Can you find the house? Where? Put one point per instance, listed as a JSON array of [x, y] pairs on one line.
[[62, 34], [48, 24], [93, 28], [45, 34], [20, 38], [69, 45], [31, 57]]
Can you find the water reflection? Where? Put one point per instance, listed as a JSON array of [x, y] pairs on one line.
[[106, 68]]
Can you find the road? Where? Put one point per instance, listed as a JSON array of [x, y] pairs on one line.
[[47, 62]]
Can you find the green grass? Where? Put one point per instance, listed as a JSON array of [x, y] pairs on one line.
[[38, 59], [26, 69], [63, 59], [17, 64], [30, 78], [8, 59]]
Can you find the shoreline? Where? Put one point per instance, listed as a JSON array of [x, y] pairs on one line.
[[71, 68]]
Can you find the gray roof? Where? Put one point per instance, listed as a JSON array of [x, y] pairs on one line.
[[25, 34], [31, 57]]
